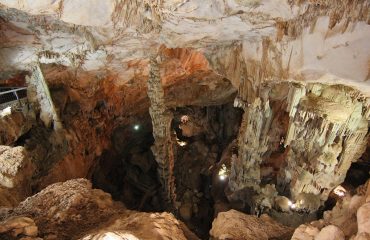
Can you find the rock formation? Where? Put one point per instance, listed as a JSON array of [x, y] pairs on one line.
[[327, 131], [73, 210], [161, 120], [236, 225], [191, 107], [16, 170], [349, 219]]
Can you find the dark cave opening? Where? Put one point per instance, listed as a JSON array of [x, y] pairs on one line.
[[128, 171], [204, 136], [206, 139]]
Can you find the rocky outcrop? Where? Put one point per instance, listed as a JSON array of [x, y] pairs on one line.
[[73, 210], [16, 170], [235, 225], [146, 226], [67, 209]]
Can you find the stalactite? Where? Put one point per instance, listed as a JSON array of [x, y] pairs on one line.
[[161, 119], [252, 143], [39, 93]]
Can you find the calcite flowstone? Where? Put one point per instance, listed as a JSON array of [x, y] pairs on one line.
[[234, 225]]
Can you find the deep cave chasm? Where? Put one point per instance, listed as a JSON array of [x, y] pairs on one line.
[[169, 119]]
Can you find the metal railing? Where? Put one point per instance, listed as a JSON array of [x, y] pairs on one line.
[[9, 96]]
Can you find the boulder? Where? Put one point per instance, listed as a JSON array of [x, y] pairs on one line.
[[68, 208], [330, 232], [305, 232], [74, 210], [16, 170], [143, 226], [236, 225], [363, 218]]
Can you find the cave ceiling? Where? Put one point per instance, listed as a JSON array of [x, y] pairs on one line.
[[80, 43]]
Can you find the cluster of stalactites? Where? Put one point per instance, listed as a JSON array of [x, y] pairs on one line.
[[327, 131]]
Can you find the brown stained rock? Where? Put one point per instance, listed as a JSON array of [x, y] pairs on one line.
[[13, 126], [67, 209], [72, 210], [16, 170], [15, 226], [234, 225]]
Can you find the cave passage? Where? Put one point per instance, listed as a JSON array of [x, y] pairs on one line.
[[204, 136], [128, 170]]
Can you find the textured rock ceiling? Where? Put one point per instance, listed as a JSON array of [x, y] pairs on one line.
[[321, 41]]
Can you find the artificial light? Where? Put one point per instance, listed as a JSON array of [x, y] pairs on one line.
[[223, 172], [340, 191]]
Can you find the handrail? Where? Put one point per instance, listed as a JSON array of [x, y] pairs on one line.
[[13, 90], [13, 95]]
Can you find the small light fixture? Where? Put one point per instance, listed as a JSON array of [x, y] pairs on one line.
[[184, 119], [340, 191], [179, 142], [182, 143], [291, 205], [223, 172], [136, 127]]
